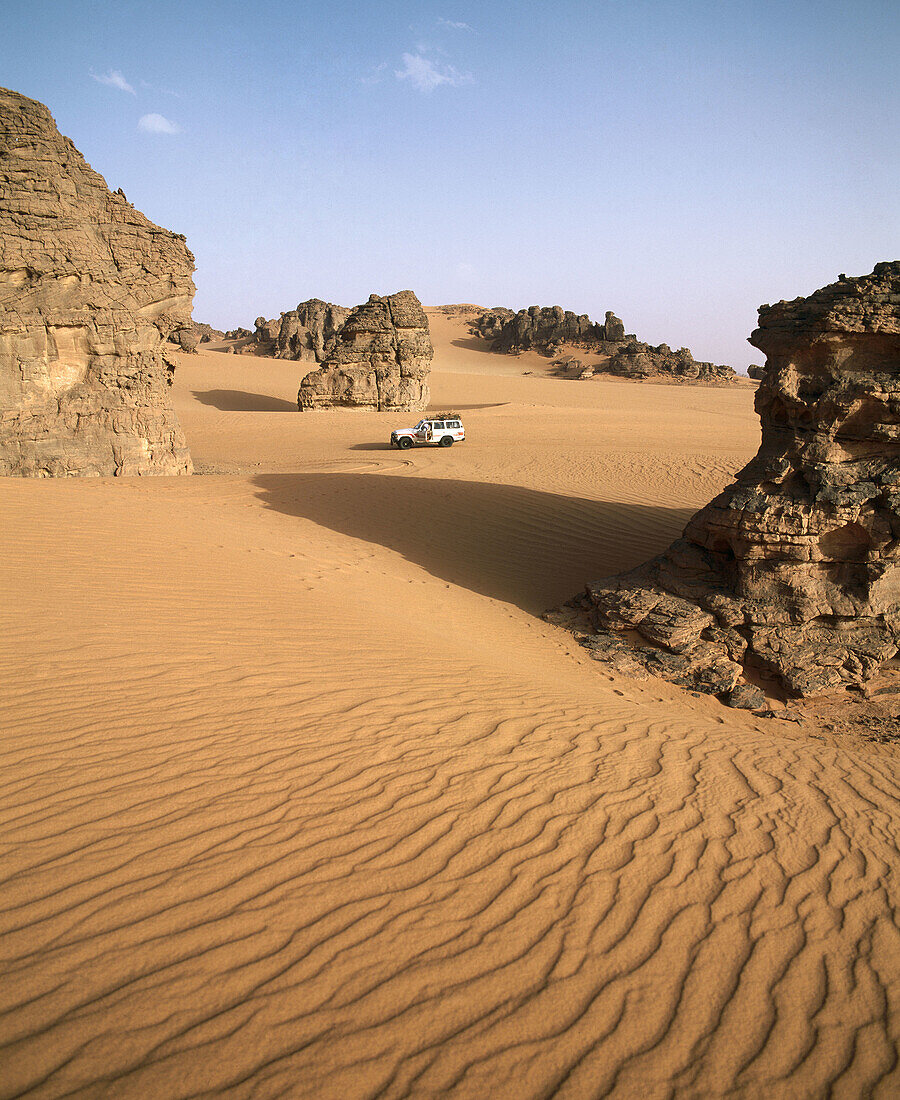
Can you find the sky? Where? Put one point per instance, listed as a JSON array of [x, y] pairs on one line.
[[679, 163]]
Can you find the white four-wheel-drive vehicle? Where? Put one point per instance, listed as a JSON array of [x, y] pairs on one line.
[[442, 430]]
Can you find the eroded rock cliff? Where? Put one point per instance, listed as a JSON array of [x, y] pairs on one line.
[[794, 570], [380, 359], [90, 290]]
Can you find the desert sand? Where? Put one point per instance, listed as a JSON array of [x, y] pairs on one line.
[[301, 798]]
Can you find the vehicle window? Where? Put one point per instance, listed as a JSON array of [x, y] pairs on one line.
[[422, 424], [453, 424], [438, 423]]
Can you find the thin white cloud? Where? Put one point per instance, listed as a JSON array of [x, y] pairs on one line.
[[426, 76], [114, 79], [163, 91], [157, 124], [455, 26]]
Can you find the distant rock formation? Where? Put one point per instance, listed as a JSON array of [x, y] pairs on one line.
[[637, 360], [267, 333], [795, 568], [380, 359], [541, 327], [90, 290], [756, 372], [546, 329], [192, 335]]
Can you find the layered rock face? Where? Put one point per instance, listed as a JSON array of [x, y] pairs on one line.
[[380, 359], [90, 290], [795, 568]]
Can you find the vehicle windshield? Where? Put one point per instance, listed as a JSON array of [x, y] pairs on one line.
[[421, 425]]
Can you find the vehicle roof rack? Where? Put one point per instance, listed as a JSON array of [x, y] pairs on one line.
[[444, 416]]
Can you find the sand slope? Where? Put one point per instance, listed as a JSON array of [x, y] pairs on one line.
[[300, 798]]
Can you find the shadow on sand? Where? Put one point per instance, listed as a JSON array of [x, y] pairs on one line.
[[472, 343], [529, 548], [239, 401]]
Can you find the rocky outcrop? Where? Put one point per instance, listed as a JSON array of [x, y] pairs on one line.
[[489, 324], [540, 327], [637, 360], [304, 334], [546, 329], [794, 570], [266, 333], [380, 359], [90, 290], [756, 372], [189, 337], [307, 333]]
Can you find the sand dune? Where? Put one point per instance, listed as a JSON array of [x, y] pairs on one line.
[[300, 797]]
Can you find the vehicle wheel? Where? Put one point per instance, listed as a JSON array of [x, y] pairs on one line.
[[404, 443], [446, 441]]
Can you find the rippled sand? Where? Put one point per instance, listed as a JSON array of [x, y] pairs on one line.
[[300, 797]]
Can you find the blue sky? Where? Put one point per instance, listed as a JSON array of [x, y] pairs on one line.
[[679, 163]]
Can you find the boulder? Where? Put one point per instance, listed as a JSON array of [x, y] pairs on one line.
[[756, 372], [186, 339], [795, 567], [90, 291], [380, 359]]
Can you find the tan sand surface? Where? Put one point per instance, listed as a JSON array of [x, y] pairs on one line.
[[300, 797]]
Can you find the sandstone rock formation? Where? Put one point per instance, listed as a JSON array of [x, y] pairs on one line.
[[638, 360], [90, 290], [794, 570], [193, 334], [541, 327], [266, 332], [546, 329], [489, 324], [380, 359], [304, 334], [756, 372]]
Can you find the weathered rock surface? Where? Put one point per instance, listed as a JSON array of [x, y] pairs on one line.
[[756, 372], [90, 290], [304, 334], [546, 329], [795, 568], [380, 359]]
